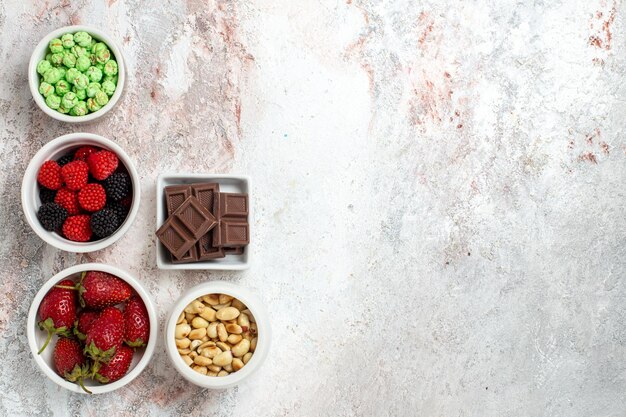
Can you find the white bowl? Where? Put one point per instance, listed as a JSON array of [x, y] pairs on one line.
[[37, 337], [30, 189], [263, 333], [40, 53], [228, 183]]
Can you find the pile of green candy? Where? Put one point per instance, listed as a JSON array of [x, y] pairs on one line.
[[78, 75]]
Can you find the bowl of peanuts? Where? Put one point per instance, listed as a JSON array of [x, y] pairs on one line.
[[217, 335]]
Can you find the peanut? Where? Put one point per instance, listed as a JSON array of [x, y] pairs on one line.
[[182, 331], [233, 339], [194, 307], [208, 314], [200, 369], [197, 333], [241, 348], [222, 346], [243, 321], [187, 360], [237, 364], [199, 322], [253, 343], [234, 329], [222, 334], [238, 305], [183, 343], [224, 298], [202, 361], [222, 373], [212, 330], [227, 313], [246, 357], [223, 358], [211, 299], [214, 368], [181, 318]]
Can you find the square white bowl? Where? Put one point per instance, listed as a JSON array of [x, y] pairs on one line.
[[229, 184]]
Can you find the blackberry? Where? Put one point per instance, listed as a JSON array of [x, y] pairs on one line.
[[65, 159], [104, 223], [47, 195], [117, 186], [52, 216], [119, 210]]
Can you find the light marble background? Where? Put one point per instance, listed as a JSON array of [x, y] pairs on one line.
[[439, 190]]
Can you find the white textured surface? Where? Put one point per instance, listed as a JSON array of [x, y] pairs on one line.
[[440, 209]]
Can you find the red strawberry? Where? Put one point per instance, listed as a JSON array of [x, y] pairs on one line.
[[70, 362], [98, 290], [136, 323], [105, 336], [57, 311], [86, 318], [83, 152], [116, 368], [102, 164], [77, 228], [92, 197], [75, 174], [50, 175], [68, 199]]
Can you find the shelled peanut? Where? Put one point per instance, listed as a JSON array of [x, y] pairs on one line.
[[216, 335]]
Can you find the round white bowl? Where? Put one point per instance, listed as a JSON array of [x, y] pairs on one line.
[[263, 333], [53, 150], [40, 53], [37, 337]]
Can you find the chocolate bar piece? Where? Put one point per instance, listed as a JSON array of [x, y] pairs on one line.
[[175, 195], [207, 193], [185, 226], [232, 213]]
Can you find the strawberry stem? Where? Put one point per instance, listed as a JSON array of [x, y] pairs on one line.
[[46, 343], [65, 287], [80, 382]]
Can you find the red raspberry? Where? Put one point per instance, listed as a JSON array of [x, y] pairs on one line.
[[92, 197], [83, 152], [50, 175], [77, 228], [68, 199], [75, 174], [102, 164]]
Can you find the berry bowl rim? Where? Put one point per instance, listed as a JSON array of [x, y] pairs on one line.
[[30, 196], [32, 328]]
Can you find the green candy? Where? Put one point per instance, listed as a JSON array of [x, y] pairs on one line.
[[69, 60], [99, 46], [103, 56], [71, 75], [79, 51], [63, 72], [46, 89], [67, 40], [94, 74], [81, 94], [82, 63], [110, 68], [56, 59], [43, 66], [53, 101], [62, 109], [69, 100], [93, 42], [82, 39], [62, 87], [52, 75], [92, 105], [101, 98], [112, 78], [108, 87], [100, 66], [48, 56], [80, 109], [56, 46], [81, 82], [92, 89]]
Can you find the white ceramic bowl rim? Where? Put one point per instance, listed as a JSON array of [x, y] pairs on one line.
[[29, 185], [39, 53], [263, 329], [31, 327]]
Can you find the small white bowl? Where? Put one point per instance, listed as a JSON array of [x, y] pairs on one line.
[[37, 337], [228, 183], [30, 189], [40, 53], [263, 333]]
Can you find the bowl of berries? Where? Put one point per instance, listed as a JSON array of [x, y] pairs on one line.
[[80, 192], [92, 328]]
